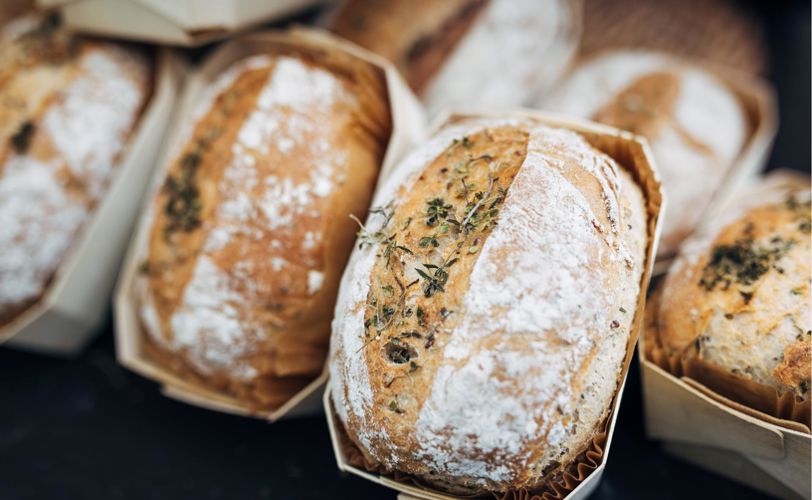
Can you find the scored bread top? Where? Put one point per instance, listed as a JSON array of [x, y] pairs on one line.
[[67, 109], [482, 323], [694, 123], [250, 230], [738, 296]]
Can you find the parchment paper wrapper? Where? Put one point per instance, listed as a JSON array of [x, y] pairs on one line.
[[132, 345], [75, 303], [576, 480], [700, 409], [172, 22]]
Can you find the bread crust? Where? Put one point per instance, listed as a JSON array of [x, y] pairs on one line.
[[737, 299], [250, 229], [493, 367], [416, 40], [68, 107], [500, 53]]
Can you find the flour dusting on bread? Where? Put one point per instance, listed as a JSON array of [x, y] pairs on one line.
[[71, 119], [475, 408], [209, 325], [488, 384], [250, 228]]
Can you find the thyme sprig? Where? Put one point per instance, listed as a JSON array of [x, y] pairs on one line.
[[436, 209], [435, 277], [742, 262], [184, 206], [22, 137], [367, 237], [481, 199]]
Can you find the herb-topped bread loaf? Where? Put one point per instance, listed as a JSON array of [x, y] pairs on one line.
[[68, 107], [496, 53], [250, 230], [695, 124], [483, 320], [737, 300]]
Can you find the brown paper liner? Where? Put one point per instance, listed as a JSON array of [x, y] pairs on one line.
[[745, 395], [632, 154], [686, 28]]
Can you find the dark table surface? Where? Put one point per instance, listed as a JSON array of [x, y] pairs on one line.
[[87, 428]]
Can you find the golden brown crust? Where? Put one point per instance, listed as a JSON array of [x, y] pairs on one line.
[[794, 370], [260, 393], [404, 349], [474, 373], [266, 219], [644, 105]]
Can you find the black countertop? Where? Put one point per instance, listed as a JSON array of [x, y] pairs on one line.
[[87, 428]]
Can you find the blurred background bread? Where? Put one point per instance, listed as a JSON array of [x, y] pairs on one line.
[[250, 230], [68, 106], [694, 123], [483, 321], [484, 53]]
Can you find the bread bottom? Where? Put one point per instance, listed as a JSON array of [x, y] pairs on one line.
[[262, 393], [554, 484], [753, 395]]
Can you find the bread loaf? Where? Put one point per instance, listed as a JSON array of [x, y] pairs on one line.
[[495, 53], [67, 109], [737, 299], [694, 123], [483, 320], [250, 230]]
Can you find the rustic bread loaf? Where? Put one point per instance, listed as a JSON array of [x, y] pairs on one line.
[[483, 320], [496, 53], [737, 298], [67, 109], [695, 124], [250, 230]]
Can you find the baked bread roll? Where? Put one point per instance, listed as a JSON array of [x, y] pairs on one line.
[[482, 322], [694, 123], [495, 53], [736, 303], [250, 230], [68, 106]]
